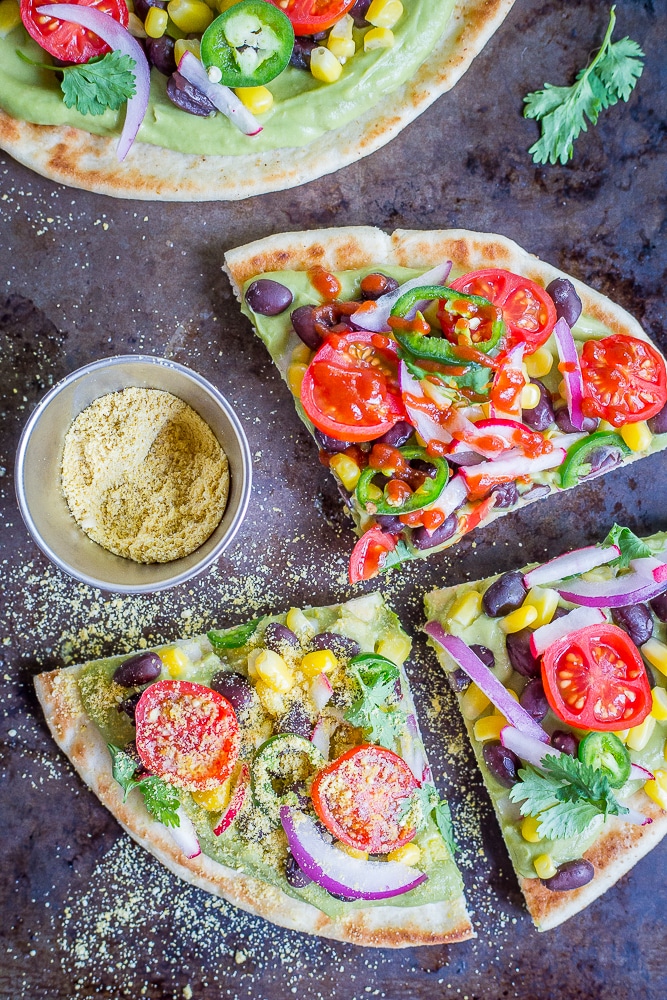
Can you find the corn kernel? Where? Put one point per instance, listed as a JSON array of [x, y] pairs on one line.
[[175, 660], [272, 701], [378, 38], [272, 669], [473, 702], [190, 15], [637, 436], [216, 799], [640, 735], [317, 662], [183, 45], [659, 710], [258, 100], [299, 624], [466, 608], [346, 469], [342, 48], [530, 396], [489, 727], [395, 647], [544, 866], [10, 17], [155, 24], [529, 830], [324, 66], [384, 13], [295, 375], [517, 620], [656, 653], [409, 854], [656, 788], [539, 363], [352, 852], [135, 25], [301, 354], [545, 602]]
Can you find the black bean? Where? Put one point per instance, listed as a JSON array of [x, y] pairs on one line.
[[303, 321], [302, 51], [458, 678], [140, 669], [506, 594], [636, 620], [340, 645], [570, 875], [280, 638], [589, 425], [520, 655], [373, 286], [359, 11], [566, 300], [541, 416], [658, 423], [422, 540], [507, 494], [565, 742], [559, 613], [390, 523], [160, 53], [235, 687], [485, 654], [659, 607], [268, 297], [398, 435], [187, 97], [503, 764], [293, 874], [330, 444], [296, 721], [129, 705], [602, 460], [141, 7], [534, 700]]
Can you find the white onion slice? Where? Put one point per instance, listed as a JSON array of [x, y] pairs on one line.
[[185, 835], [572, 379], [224, 99], [374, 317], [647, 579], [571, 564], [546, 635], [117, 37]]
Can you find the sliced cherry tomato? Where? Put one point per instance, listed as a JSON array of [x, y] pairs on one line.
[[595, 678], [370, 553], [187, 734], [310, 16], [528, 310], [362, 797], [66, 41], [624, 380], [350, 389]]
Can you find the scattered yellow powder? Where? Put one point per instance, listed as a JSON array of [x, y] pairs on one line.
[[144, 475]]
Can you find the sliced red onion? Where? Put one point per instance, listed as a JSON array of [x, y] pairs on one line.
[[535, 493], [336, 871], [574, 383], [374, 317], [513, 362], [571, 564], [639, 773], [321, 738], [185, 835], [411, 748], [546, 635], [236, 800], [512, 466], [452, 497], [486, 681], [638, 585], [427, 428], [321, 691], [635, 817], [117, 37], [224, 99]]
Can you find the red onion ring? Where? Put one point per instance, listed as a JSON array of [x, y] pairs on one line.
[[184, 836], [224, 99], [645, 581], [375, 318], [236, 801], [574, 383]]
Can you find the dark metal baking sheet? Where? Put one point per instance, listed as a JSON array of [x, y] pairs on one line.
[[85, 913]]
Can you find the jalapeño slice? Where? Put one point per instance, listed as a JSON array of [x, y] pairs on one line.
[[605, 752], [251, 43], [591, 457], [280, 766], [405, 499]]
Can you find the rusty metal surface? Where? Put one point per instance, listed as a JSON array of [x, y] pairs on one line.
[[84, 913]]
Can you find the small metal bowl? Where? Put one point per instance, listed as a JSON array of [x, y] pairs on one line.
[[38, 473]]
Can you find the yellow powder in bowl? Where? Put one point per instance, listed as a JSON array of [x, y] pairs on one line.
[[144, 475]]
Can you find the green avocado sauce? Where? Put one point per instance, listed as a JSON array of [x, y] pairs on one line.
[[487, 632], [369, 622], [303, 110]]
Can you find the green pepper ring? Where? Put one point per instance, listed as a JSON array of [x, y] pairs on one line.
[[266, 762], [217, 51], [575, 459], [605, 752], [427, 493]]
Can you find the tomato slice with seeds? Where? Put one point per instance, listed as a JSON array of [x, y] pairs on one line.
[[624, 380], [70, 42], [310, 16], [594, 678], [350, 389], [370, 553], [187, 734], [528, 310], [363, 797]]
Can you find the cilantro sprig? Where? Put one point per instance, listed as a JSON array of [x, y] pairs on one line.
[[161, 800], [566, 795], [432, 806], [476, 377], [103, 82], [630, 545], [562, 111], [375, 712]]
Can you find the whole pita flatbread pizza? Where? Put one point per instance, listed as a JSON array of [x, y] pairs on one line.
[[313, 127]]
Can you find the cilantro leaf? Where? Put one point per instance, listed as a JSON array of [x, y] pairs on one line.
[[437, 809], [161, 800], [233, 638], [102, 82], [564, 111], [375, 712], [397, 555], [630, 545], [475, 377]]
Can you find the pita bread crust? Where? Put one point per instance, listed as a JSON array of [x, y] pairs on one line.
[[82, 160], [386, 926]]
